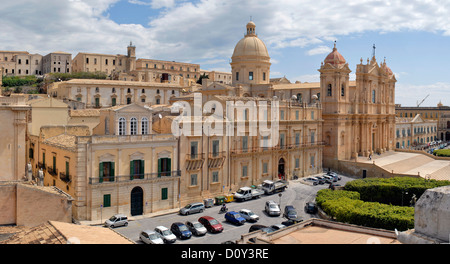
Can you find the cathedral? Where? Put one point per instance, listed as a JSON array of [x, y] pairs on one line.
[[356, 117]]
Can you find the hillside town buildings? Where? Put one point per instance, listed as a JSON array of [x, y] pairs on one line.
[[111, 144]]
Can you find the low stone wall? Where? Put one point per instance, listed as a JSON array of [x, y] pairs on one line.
[[27, 205]]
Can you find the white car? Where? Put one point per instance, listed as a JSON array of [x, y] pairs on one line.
[[249, 215], [272, 208], [166, 234], [150, 237]]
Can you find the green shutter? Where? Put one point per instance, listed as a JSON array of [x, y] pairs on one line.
[[100, 172], [142, 171], [169, 167], [159, 167], [107, 200], [164, 194], [112, 171], [131, 170]]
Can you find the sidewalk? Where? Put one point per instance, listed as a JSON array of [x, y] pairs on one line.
[[132, 218]]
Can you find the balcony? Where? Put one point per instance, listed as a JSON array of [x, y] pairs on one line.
[[135, 177], [65, 177], [194, 161], [52, 171], [216, 159]]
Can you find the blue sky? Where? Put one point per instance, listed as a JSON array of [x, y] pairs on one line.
[[412, 35]]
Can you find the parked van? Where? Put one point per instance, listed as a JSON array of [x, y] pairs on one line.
[[117, 220], [192, 208]]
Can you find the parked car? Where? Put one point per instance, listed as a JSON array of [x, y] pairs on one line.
[[196, 228], [291, 222], [334, 175], [166, 234], [277, 226], [320, 179], [314, 181], [310, 208], [117, 220], [150, 237], [234, 218], [211, 224], [180, 230], [192, 208], [260, 227], [249, 215], [328, 178], [290, 212], [333, 186], [272, 208]]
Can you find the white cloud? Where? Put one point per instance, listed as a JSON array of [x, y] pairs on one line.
[[409, 94], [207, 29], [319, 50]]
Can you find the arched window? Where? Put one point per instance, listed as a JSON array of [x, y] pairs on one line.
[[133, 126], [343, 90], [329, 90], [144, 126], [121, 129]]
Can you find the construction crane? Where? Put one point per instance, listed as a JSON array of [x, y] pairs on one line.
[[418, 104]]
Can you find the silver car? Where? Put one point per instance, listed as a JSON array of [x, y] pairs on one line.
[[196, 228], [249, 215], [166, 234], [272, 208], [192, 208], [117, 220], [150, 237]]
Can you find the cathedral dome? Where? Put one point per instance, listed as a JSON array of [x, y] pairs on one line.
[[250, 45], [335, 58]]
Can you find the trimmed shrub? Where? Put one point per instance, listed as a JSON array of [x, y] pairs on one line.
[[442, 152], [396, 191], [345, 206]]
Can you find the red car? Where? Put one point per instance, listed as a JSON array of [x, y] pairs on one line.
[[211, 224]]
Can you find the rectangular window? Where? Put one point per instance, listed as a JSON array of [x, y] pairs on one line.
[[113, 101], [264, 76], [193, 179], [373, 96], [313, 136], [265, 168], [312, 161], [215, 176], [194, 149], [215, 148], [297, 163], [282, 141], [106, 200], [297, 115], [297, 139], [245, 143], [312, 115], [250, 76], [237, 76], [281, 114], [244, 171], [164, 193]]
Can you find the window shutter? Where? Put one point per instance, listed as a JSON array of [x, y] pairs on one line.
[[142, 171], [100, 172], [169, 167], [159, 167], [131, 169], [112, 171]]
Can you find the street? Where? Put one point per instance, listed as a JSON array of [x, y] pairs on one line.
[[297, 194]]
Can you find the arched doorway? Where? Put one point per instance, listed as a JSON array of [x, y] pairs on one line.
[[281, 174], [137, 201]]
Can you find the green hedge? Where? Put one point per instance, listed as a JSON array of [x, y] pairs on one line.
[[396, 191], [345, 206], [442, 152]]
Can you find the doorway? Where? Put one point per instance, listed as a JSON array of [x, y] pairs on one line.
[[281, 174], [137, 201]]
